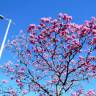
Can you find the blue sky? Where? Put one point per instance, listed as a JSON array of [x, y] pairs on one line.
[[24, 12]]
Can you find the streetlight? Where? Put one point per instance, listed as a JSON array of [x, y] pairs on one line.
[[6, 33], [1, 17]]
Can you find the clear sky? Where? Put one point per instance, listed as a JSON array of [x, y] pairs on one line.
[[24, 12]]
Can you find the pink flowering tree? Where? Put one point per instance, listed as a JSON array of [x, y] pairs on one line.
[[53, 57]]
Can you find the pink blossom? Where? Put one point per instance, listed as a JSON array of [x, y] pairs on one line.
[[17, 65], [31, 27], [4, 81], [46, 20], [65, 16], [90, 93], [11, 69], [63, 33], [81, 57], [74, 94], [24, 92]]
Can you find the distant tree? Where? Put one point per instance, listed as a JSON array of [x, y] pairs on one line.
[[53, 57]]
